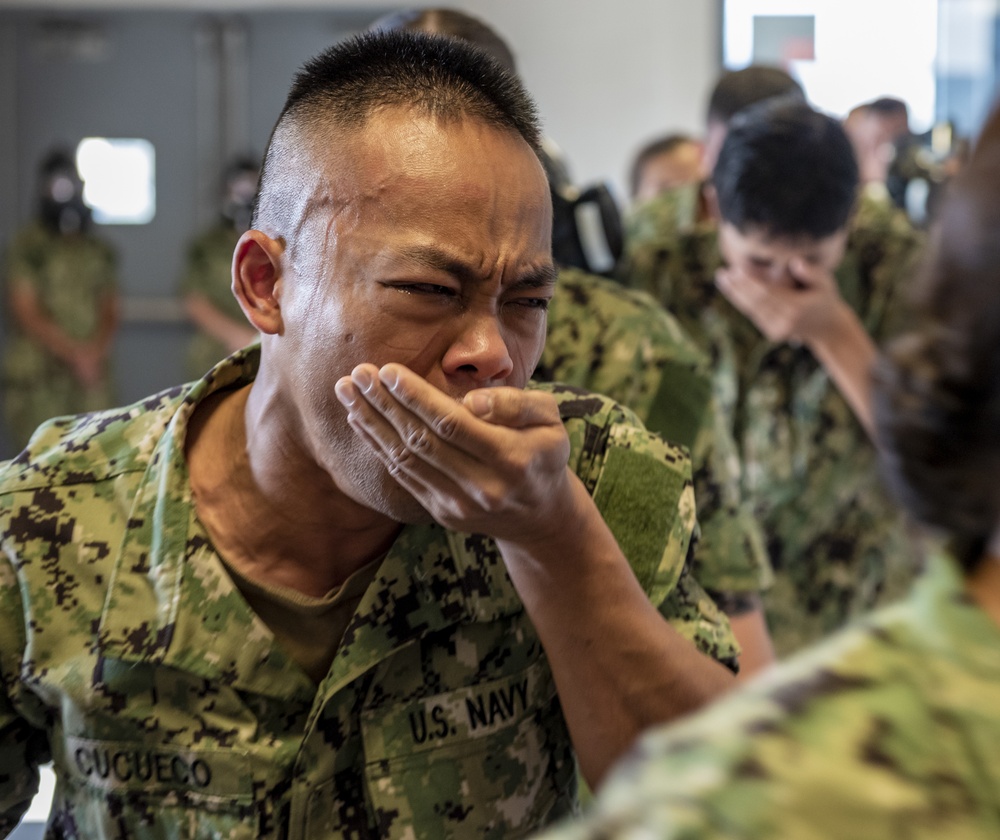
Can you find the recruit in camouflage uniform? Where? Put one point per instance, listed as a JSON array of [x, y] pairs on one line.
[[70, 275], [890, 729], [209, 273], [836, 542], [621, 343], [131, 658]]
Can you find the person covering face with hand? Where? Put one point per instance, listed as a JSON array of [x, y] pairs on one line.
[[358, 580]]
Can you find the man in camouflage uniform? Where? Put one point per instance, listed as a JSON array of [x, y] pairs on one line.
[[205, 287], [890, 729], [836, 542], [356, 582], [621, 343], [63, 307], [887, 730]]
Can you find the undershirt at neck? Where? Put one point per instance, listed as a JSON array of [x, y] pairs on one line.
[[309, 629]]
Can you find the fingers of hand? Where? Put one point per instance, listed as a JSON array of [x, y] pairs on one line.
[[811, 276], [403, 435], [768, 307], [513, 407]]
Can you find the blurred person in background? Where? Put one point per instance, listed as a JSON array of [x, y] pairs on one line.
[[890, 728], [663, 164], [207, 282], [62, 307], [808, 463]]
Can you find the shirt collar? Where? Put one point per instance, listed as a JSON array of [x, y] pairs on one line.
[[171, 601]]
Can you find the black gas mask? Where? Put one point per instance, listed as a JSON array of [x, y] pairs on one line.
[[61, 206], [240, 191]]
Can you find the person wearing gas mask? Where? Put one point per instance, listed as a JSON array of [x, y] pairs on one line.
[[62, 305], [205, 286]]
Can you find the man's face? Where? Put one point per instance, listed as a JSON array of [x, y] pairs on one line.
[[422, 242], [772, 259], [668, 170]]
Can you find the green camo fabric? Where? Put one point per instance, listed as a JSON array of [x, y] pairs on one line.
[[70, 275], [837, 544], [890, 729], [130, 658], [622, 343]]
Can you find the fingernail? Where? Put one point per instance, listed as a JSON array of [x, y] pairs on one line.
[[362, 378], [387, 376], [344, 389], [479, 403]]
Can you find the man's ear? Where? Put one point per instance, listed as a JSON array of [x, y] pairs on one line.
[[257, 280]]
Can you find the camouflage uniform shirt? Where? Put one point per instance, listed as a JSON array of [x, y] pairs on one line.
[[836, 542], [889, 729], [129, 657], [70, 275], [622, 343]]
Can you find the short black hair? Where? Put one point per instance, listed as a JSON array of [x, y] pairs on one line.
[[443, 21], [654, 148], [786, 170], [739, 89], [889, 106], [433, 74], [937, 386]]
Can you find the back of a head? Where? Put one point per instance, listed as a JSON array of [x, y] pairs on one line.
[[786, 170], [343, 86], [937, 396], [739, 89], [450, 22]]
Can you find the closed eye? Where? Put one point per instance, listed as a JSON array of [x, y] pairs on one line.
[[532, 303], [426, 289]]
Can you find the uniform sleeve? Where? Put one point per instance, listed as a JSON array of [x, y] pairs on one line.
[[730, 559], [883, 253], [23, 260], [194, 279], [646, 497], [22, 748]]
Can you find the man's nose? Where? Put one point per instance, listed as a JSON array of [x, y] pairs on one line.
[[781, 274], [479, 350]]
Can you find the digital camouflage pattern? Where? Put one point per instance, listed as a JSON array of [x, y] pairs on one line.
[[890, 729], [837, 543], [128, 655], [620, 342], [70, 275], [208, 272]]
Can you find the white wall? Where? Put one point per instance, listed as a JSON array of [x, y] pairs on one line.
[[608, 74]]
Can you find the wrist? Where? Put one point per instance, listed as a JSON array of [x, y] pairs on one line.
[[838, 325]]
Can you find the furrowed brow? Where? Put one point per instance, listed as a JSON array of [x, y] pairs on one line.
[[535, 278], [543, 277], [439, 260]]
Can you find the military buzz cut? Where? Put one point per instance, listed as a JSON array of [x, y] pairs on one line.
[[439, 76]]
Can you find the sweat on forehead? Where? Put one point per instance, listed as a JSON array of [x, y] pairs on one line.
[[302, 154]]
